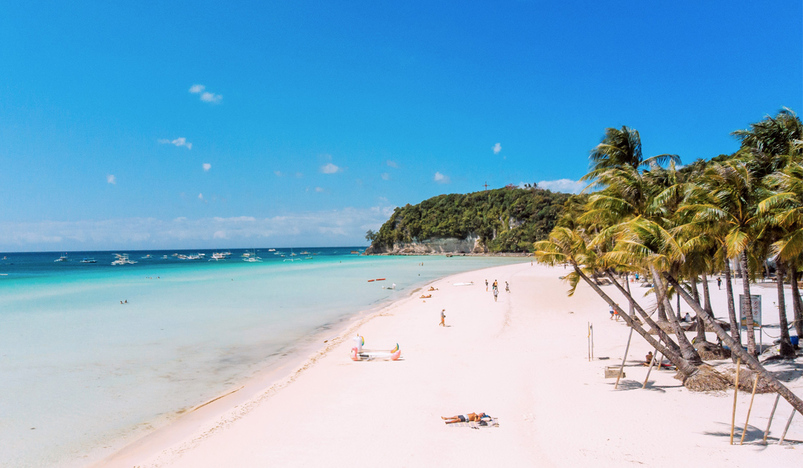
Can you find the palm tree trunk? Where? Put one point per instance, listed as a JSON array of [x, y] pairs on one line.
[[737, 337], [748, 305], [684, 367], [686, 349], [747, 358], [664, 337], [786, 350], [796, 302], [707, 307]]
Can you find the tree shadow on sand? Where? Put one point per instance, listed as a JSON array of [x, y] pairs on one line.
[[754, 436], [626, 384]]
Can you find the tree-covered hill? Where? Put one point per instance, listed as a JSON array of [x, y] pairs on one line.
[[505, 220]]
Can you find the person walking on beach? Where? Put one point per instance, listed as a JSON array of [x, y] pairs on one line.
[[507, 287], [719, 282], [496, 293], [486, 285], [443, 318], [496, 284]]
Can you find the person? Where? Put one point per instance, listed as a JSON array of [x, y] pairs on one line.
[[687, 317], [496, 284], [719, 282], [648, 359], [443, 318], [496, 294], [465, 418], [613, 312], [507, 287], [486, 285]]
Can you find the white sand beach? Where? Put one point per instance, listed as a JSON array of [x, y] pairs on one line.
[[522, 360]]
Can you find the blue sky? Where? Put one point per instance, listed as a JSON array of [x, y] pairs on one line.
[[204, 125]]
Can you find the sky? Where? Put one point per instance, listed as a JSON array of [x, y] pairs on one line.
[[181, 125]]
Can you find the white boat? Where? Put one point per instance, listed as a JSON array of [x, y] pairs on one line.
[[251, 257], [122, 259], [63, 258]]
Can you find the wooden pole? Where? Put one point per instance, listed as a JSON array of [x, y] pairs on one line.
[[769, 423], [592, 341], [622, 368], [735, 394], [788, 423], [749, 408], [588, 339], [652, 362]]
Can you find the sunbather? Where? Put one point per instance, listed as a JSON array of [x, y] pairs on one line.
[[465, 418]]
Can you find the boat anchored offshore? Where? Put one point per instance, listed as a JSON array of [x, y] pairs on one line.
[[63, 258], [122, 259]]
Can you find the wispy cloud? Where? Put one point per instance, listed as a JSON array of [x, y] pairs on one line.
[[330, 169], [563, 185], [441, 179], [319, 189], [325, 228], [385, 176], [205, 96], [206, 167], [391, 163], [498, 148], [179, 142], [110, 179], [201, 197]]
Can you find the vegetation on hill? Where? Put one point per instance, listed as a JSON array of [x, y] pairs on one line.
[[509, 219]]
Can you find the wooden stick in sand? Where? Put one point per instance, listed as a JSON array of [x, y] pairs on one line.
[[735, 394], [788, 423], [651, 363], [749, 408], [622, 368], [769, 423]]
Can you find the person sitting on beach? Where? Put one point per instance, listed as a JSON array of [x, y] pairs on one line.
[[648, 359], [465, 418], [687, 317]]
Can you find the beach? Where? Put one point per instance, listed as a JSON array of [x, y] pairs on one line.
[[522, 359]]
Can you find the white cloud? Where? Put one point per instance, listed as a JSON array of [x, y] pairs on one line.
[[179, 142], [498, 148], [111, 179], [563, 185], [441, 179], [330, 169], [200, 196], [211, 97], [206, 167], [391, 163], [385, 176], [205, 96], [319, 189], [323, 228]]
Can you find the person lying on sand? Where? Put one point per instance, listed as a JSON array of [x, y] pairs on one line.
[[431, 288], [465, 418], [425, 297]]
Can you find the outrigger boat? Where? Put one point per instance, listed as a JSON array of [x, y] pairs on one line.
[[358, 353]]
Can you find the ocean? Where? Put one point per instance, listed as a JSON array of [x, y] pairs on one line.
[[95, 353]]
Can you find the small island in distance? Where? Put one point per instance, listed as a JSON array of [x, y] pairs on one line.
[[505, 220]]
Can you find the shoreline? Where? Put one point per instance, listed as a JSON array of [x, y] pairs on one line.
[[269, 379], [522, 359]]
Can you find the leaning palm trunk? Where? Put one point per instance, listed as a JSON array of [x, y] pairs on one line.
[[796, 302], [684, 366], [746, 357], [748, 306], [686, 349], [707, 306], [786, 349], [731, 308], [662, 335]]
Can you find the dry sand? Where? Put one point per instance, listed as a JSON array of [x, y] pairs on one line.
[[522, 359]]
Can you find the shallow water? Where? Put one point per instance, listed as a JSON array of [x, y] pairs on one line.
[[80, 370]]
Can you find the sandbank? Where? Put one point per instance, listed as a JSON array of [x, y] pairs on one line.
[[522, 359]]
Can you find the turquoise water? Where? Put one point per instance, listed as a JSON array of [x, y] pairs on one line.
[[80, 370]]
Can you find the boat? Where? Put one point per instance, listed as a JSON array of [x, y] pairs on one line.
[[219, 256], [63, 258], [122, 259], [88, 260], [271, 250], [251, 257]]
